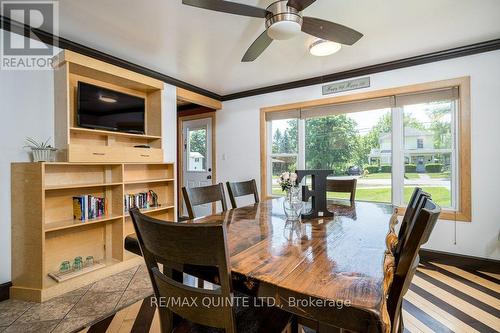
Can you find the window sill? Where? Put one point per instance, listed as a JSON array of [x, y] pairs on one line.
[[448, 215]]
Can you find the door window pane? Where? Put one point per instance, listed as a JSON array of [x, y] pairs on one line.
[[353, 145], [197, 148], [280, 164], [428, 150], [284, 136], [284, 151]]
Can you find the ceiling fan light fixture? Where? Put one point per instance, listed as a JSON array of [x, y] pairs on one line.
[[284, 30], [322, 48]]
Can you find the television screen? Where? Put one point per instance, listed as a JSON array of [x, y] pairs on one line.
[[101, 108]]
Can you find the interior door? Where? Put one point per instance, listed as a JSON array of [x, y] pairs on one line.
[[197, 158]]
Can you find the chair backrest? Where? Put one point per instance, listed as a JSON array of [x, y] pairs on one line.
[[410, 210], [418, 234], [406, 225], [196, 196], [342, 186], [241, 189], [180, 244]]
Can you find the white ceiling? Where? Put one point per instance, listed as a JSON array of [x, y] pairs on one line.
[[204, 48]]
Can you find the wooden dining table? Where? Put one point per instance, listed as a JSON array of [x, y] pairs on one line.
[[329, 271]]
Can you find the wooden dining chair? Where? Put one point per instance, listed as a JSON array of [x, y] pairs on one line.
[[196, 196], [204, 244], [342, 186], [409, 220], [418, 233], [410, 210], [241, 189]]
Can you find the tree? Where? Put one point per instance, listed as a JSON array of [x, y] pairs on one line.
[[277, 140], [198, 143], [438, 113], [330, 143]]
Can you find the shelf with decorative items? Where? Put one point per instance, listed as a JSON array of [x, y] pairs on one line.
[[62, 211]]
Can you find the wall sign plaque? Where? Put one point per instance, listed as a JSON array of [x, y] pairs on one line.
[[337, 87], [317, 193]]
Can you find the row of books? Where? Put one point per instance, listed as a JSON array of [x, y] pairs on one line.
[[141, 200], [86, 207]]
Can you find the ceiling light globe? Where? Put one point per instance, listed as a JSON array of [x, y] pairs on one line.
[[283, 30], [321, 48]]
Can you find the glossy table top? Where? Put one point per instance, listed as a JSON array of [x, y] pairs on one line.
[[335, 258]]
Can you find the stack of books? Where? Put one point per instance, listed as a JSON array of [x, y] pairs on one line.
[[86, 207], [141, 200]]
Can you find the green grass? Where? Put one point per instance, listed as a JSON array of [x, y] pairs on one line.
[[384, 175], [440, 195], [440, 175], [408, 175]]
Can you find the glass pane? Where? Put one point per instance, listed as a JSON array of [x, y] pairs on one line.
[[280, 164], [354, 145], [197, 147], [284, 136], [428, 143]]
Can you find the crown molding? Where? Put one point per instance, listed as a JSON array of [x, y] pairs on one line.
[[63, 43], [456, 52]]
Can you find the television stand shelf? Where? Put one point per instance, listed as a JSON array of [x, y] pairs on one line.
[[78, 144], [44, 233]]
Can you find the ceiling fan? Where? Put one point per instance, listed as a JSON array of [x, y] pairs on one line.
[[284, 20]]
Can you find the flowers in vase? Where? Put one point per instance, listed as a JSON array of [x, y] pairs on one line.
[[288, 180]]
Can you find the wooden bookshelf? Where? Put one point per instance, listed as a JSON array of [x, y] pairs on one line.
[[44, 233], [77, 144]]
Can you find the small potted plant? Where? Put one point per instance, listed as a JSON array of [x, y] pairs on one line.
[[42, 152], [292, 204]]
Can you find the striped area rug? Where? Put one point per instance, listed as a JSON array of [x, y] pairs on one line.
[[442, 298]]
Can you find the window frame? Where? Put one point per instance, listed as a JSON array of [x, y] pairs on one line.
[[462, 184]]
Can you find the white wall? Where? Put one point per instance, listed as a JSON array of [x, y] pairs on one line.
[[27, 109], [238, 150]]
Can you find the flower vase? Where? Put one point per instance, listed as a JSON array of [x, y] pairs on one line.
[[292, 204]]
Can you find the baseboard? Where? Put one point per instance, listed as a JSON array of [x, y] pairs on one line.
[[4, 290], [461, 261]]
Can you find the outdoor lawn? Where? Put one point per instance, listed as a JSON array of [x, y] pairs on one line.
[[386, 175], [440, 195], [380, 175]]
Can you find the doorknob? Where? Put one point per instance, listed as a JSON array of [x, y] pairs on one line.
[[209, 177]]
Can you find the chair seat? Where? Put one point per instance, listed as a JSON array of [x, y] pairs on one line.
[[248, 320]]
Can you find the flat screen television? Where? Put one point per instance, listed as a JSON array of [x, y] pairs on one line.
[[101, 108]]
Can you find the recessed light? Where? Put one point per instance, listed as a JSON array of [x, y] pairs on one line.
[[107, 99], [321, 48]]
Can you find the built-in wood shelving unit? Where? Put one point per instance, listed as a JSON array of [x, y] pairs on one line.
[[93, 162], [45, 233], [77, 144]]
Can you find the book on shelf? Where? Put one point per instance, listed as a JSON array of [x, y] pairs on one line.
[[86, 207], [142, 200]]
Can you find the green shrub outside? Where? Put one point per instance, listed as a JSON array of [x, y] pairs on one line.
[[385, 168], [410, 168], [433, 167], [371, 168]]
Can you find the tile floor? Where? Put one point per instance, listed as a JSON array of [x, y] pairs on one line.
[[76, 309]]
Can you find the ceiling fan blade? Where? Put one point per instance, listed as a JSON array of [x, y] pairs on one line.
[[330, 31], [257, 47], [300, 5], [227, 7]]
